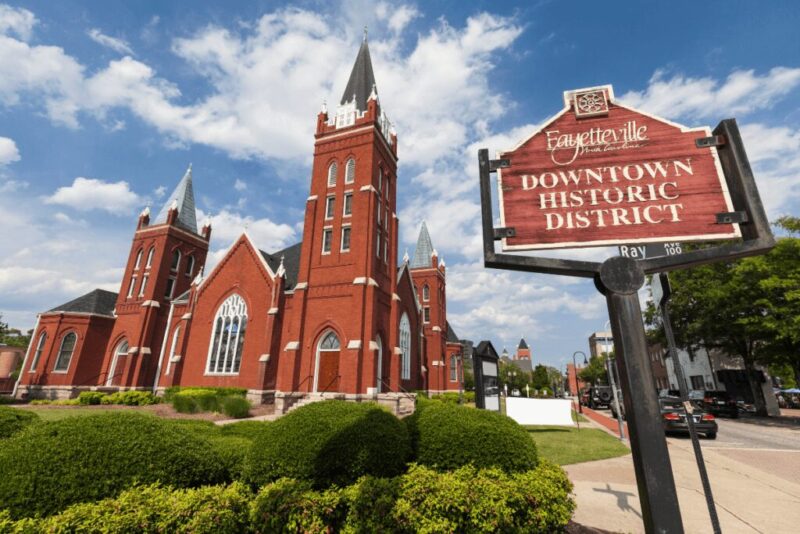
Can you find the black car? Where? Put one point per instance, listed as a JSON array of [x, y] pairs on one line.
[[600, 397], [673, 416], [720, 403]]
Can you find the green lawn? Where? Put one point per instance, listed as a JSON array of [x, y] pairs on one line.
[[564, 445]]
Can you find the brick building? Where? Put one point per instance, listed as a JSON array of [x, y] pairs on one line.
[[331, 316]]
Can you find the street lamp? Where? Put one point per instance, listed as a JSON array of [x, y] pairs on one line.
[[575, 369]]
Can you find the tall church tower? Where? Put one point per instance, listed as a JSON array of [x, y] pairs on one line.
[[165, 257], [429, 280], [344, 302]]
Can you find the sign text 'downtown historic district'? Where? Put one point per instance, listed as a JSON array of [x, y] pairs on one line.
[[600, 173]]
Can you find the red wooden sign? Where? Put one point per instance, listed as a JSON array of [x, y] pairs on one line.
[[600, 173]]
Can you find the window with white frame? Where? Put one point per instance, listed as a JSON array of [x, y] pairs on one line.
[[405, 348], [380, 179], [426, 314], [138, 259], [150, 257], [121, 350], [173, 348], [453, 369], [347, 209], [350, 171], [39, 349], [330, 203], [189, 265], [327, 239], [144, 285], [65, 352], [230, 323], [426, 293], [131, 286], [176, 260], [332, 174], [345, 239], [170, 288]]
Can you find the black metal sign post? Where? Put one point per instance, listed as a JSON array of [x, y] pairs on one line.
[[619, 279], [663, 304]]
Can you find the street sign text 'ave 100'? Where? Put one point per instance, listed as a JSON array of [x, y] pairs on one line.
[[600, 173]]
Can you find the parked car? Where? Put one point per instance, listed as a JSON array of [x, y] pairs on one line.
[[720, 403], [600, 397], [673, 416]]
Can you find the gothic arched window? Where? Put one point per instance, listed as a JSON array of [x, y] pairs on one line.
[[227, 340], [138, 260], [350, 171], [426, 293], [176, 260], [150, 257], [332, 169], [405, 348], [453, 369], [65, 352], [189, 265], [39, 349], [121, 350]]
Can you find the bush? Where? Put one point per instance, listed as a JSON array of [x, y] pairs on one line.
[[13, 420], [447, 436], [236, 407], [232, 452], [130, 397], [171, 391], [330, 442], [370, 505], [53, 465], [244, 429], [193, 400], [472, 500], [91, 397], [289, 505]]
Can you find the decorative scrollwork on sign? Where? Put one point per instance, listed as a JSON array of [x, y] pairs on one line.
[[590, 104]]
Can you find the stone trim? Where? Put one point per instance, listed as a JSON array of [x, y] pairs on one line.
[[292, 345]]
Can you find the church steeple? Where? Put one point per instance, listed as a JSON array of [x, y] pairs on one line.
[[182, 199], [424, 251], [362, 80]]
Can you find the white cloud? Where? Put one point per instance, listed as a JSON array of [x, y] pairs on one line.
[[774, 153], [8, 151], [16, 20], [114, 43], [240, 185], [227, 226], [742, 92], [91, 194]]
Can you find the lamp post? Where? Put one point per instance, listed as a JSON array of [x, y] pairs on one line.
[[575, 369]]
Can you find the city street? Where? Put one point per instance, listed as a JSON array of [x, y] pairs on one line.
[[754, 470]]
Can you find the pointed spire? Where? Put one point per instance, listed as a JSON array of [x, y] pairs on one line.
[[424, 250], [281, 269], [145, 212], [374, 94], [362, 79], [324, 106], [182, 199], [405, 257]]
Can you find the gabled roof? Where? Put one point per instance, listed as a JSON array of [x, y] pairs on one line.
[[291, 262], [522, 344], [99, 301], [451, 334], [184, 196], [422, 254], [362, 79], [485, 349]]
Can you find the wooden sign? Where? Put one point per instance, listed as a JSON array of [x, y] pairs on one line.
[[600, 173]]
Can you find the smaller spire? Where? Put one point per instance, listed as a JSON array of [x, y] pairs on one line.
[[441, 263], [374, 94], [145, 212], [324, 106], [405, 257], [365, 33], [207, 222], [281, 269], [434, 253]]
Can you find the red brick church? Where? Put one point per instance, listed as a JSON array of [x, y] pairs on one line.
[[332, 315]]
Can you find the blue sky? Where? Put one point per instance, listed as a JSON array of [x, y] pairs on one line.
[[102, 109]]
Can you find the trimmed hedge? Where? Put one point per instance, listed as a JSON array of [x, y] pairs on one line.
[[51, 465], [131, 398], [91, 398], [449, 436], [329, 442], [244, 429], [236, 407], [13, 420], [151, 508], [230, 401]]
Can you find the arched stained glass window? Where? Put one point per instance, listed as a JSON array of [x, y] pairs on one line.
[[332, 170], [350, 171], [121, 350], [329, 342], [138, 260], [65, 352], [405, 347], [150, 257], [39, 349], [230, 323], [426, 293], [453, 369]]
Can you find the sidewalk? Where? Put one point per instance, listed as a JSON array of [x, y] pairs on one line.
[[748, 499]]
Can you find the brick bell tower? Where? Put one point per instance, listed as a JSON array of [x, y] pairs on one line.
[[429, 277], [348, 276], [165, 257]]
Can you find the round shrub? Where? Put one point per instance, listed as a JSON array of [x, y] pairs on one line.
[[13, 420], [448, 436], [244, 429], [91, 398], [235, 406], [52, 465], [330, 442]]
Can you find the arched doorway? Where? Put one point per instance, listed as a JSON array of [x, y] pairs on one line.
[[326, 374], [114, 376]]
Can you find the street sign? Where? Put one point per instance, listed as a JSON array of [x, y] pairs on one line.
[[650, 250], [601, 173]]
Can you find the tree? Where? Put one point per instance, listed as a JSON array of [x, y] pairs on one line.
[[540, 379], [12, 336], [595, 372], [748, 308]]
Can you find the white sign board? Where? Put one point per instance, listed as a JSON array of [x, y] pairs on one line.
[[555, 412]]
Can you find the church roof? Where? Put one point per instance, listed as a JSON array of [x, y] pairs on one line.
[[291, 262], [451, 334], [522, 344], [422, 254], [184, 197], [99, 301], [361, 79]]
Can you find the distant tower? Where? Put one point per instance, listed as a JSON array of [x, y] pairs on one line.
[[523, 351], [343, 301], [165, 256], [429, 279]]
